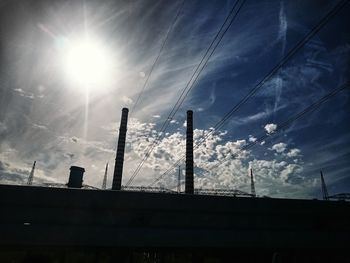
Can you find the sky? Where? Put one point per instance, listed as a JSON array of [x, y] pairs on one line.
[[51, 115]]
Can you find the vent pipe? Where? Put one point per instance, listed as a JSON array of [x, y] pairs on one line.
[[189, 189], [119, 160], [76, 177]]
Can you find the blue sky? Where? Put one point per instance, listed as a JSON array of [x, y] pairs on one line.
[[48, 117]]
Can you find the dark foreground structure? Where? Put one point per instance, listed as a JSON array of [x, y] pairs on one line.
[[41, 224]]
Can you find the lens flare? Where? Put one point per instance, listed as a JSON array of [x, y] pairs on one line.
[[88, 62]]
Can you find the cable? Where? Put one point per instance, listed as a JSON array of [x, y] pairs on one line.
[[272, 72], [154, 64], [282, 126], [190, 83], [158, 56]]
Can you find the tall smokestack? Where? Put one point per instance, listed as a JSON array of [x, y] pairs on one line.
[[76, 177], [189, 189], [119, 160]]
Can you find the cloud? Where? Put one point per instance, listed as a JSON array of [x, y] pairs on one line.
[[38, 126], [294, 153], [253, 118], [279, 147], [25, 94], [16, 174], [127, 100], [232, 172], [252, 138], [89, 138], [3, 127], [270, 128]]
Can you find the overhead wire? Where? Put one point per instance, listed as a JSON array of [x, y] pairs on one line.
[[158, 56], [154, 63], [325, 19], [190, 84], [280, 127]]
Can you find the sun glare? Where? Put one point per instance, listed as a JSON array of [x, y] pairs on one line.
[[88, 63]]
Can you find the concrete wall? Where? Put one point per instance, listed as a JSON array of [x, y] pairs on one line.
[[74, 217]]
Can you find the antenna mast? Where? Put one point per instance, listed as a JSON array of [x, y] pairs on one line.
[[324, 188], [179, 181], [31, 175], [104, 183]]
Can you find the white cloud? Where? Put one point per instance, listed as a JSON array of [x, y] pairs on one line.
[[232, 172], [279, 147], [252, 138], [270, 128], [23, 93], [38, 126], [127, 100], [274, 178], [294, 153]]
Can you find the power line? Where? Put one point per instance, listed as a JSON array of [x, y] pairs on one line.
[[267, 77], [191, 82], [280, 64], [154, 63], [282, 126], [158, 56]]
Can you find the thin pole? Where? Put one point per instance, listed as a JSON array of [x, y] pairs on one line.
[[104, 183], [179, 181], [31, 175]]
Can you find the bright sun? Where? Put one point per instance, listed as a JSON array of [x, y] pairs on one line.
[[88, 63]]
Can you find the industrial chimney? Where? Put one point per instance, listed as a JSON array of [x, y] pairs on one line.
[[76, 177], [189, 189], [119, 160]]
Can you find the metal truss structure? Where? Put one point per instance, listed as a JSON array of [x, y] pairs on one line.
[[222, 192], [341, 196], [148, 189]]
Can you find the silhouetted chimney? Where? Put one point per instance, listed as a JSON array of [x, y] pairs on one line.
[[189, 189], [76, 177], [119, 160]]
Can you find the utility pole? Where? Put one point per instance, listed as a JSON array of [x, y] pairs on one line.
[[252, 185], [31, 175], [324, 188], [179, 181], [104, 183]]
